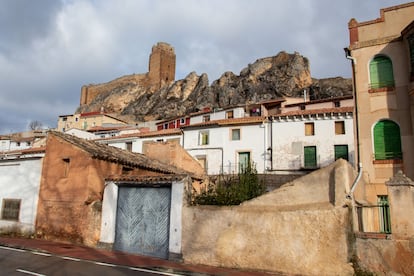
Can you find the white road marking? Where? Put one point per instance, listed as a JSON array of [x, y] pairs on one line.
[[104, 264], [70, 259], [153, 271], [29, 272], [42, 254], [14, 249]]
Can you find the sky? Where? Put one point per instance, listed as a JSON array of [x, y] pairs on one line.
[[49, 49]]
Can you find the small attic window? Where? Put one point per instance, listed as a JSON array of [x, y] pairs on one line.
[[126, 170], [66, 164]]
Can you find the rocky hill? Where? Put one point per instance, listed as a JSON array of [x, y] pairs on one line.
[[267, 78]]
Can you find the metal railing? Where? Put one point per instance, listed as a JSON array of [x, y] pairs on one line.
[[388, 155], [382, 84], [374, 219]]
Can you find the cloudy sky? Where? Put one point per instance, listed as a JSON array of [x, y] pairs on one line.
[[50, 48]]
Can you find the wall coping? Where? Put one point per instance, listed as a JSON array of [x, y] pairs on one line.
[[400, 179]]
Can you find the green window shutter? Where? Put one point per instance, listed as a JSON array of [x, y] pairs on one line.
[[381, 73], [387, 140], [341, 151], [310, 157]]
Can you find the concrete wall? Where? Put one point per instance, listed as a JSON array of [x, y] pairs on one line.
[[20, 179], [302, 228]]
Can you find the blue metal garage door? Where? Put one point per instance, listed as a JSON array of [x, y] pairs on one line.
[[143, 220]]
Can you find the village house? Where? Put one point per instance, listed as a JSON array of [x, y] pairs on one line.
[[381, 51], [88, 120], [20, 174], [22, 140], [73, 181]]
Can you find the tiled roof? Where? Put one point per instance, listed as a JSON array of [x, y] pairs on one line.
[[157, 133], [346, 109], [116, 155], [103, 128], [25, 151], [321, 101], [233, 121], [166, 178]]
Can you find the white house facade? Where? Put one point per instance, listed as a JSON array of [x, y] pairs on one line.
[[226, 146], [20, 174], [311, 139]]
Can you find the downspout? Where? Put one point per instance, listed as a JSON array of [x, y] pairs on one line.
[[358, 158], [271, 144]]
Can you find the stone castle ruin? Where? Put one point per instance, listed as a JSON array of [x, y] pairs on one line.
[[161, 72]]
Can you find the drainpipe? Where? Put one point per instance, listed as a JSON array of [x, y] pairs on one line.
[[358, 158], [271, 144]]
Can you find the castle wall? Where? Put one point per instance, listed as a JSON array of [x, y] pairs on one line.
[[161, 72]]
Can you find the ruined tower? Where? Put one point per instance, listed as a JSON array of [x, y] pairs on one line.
[[161, 72], [161, 65]]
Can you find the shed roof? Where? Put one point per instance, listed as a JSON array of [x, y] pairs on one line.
[[116, 155]]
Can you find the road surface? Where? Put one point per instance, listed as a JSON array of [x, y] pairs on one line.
[[21, 262]]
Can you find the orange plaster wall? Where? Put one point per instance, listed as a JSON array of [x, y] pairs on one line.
[[70, 198]]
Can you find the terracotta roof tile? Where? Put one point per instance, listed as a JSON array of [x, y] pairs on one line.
[[233, 121], [317, 111], [116, 155]]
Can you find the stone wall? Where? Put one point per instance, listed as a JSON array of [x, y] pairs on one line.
[[304, 228], [161, 72]]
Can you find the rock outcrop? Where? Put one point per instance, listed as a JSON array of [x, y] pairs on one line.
[[267, 78]]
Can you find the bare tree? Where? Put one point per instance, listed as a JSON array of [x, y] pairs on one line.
[[35, 125]]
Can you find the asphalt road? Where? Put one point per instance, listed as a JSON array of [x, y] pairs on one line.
[[22, 262]]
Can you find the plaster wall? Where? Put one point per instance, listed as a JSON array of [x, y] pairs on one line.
[[375, 106], [393, 20], [221, 151], [289, 139], [302, 228], [20, 179]]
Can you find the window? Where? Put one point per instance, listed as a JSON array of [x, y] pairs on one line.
[[235, 134], [309, 129], [384, 214], [126, 170], [339, 127], [182, 121], [203, 138], [411, 46], [337, 104], [66, 164], [387, 140], [10, 209], [128, 146], [309, 154], [206, 118], [341, 151], [229, 114], [302, 107], [18, 144], [166, 126], [381, 73], [244, 161]]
